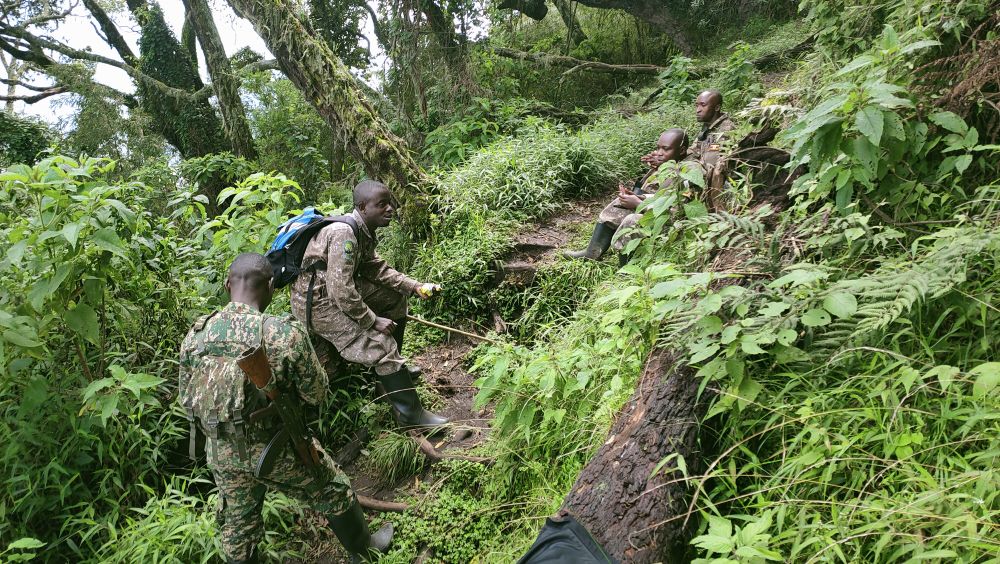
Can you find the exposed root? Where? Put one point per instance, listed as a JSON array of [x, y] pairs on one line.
[[434, 455], [379, 505]]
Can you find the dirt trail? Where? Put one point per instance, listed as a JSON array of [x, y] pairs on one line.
[[445, 371]]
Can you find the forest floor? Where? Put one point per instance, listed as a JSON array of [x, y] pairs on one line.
[[445, 371]]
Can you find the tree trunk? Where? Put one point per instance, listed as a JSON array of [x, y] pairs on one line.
[[574, 33], [637, 518], [325, 81], [224, 83]]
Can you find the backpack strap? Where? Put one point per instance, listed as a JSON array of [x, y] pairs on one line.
[[193, 435]]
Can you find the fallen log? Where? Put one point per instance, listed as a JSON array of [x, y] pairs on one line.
[[628, 504]]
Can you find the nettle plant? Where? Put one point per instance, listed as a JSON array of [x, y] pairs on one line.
[[867, 140]]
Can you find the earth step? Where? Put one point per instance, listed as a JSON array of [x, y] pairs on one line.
[[534, 247], [519, 272]]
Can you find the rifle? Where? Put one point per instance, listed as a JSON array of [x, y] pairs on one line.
[[255, 366]]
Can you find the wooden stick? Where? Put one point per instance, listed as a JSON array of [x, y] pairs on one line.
[[452, 330], [379, 505], [434, 455]]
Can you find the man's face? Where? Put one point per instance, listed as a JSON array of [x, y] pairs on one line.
[[378, 210], [706, 107], [669, 147]]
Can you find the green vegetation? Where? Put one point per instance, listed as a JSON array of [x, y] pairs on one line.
[[844, 337]]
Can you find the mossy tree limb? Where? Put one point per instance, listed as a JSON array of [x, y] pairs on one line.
[[224, 82], [326, 82]]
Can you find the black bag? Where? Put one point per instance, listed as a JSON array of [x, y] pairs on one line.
[[564, 540]]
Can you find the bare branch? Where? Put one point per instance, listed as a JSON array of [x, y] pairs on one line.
[[37, 44], [32, 98], [36, 88]]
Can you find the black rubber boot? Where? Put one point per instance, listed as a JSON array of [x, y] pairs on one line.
[[600, 241], [623, 259], [405, 402], [352, 532]]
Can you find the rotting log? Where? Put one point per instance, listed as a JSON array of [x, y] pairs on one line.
[[630, 511], [328, 85]]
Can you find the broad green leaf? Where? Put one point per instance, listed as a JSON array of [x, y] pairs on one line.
[[749, 346], [950, 121], [96, 386], [916, 46], [962, 163], [773, 309], [815, 318], [787, 337], [870, 123], [701, 351], [710, 303], [945, 375], [26, 543], [83, 321], [987, 378], [841, 304], [71, 232], [858, 63], [135, 383], [20, 339], [108, 240]]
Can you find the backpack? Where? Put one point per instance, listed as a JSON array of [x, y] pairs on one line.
[[293, 237]]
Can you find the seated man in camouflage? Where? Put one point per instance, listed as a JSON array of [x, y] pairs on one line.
[[671, 146], [358, 302], [227, 405], [620, 214]]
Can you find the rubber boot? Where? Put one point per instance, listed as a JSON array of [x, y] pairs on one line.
[[405, 402], [623, 259], [600, 241], [352, 532]]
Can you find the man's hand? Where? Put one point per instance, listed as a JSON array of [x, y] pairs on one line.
[[651, 160], [629, 201], [627, 198], [383, 325], [427, 290]]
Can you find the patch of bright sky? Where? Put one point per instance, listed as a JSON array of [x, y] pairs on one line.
[[78, 31]]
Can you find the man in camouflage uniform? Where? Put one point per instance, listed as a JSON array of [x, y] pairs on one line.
[[620, 214], [358, 302], [716, 126], [670, 146], [220, 398]]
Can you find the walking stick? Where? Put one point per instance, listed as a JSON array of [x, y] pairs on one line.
[[452, 330]]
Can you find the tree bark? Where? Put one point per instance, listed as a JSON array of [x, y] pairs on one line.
[[636, 516], [574, 33], [224, 82], [325, 81]]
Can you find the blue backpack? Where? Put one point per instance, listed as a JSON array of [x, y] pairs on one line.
[[293, 237]]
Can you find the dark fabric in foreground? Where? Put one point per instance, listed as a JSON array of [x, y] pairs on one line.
[[563, 540]]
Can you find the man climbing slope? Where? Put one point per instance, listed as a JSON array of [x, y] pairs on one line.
[[231, 411], [358, 302]]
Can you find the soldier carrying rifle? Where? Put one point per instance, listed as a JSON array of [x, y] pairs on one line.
[[242, 376]]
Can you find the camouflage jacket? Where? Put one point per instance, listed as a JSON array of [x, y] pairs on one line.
[[211, 384], [709, 143], [347, 258]]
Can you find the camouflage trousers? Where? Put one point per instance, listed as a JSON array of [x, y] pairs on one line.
[[241, 495], [366, 347], [625, 231], [614, 213]]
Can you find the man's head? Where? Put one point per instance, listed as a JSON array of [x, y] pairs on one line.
[[250, 280], [671, 146], [373, 201], [708, 106]]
